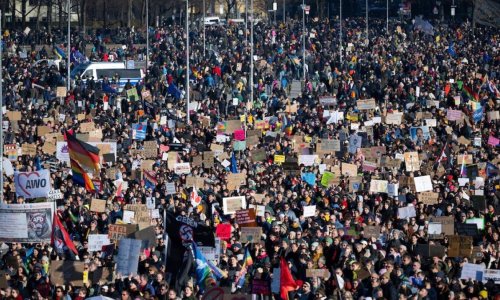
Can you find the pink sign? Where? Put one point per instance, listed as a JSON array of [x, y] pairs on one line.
[[239, 135], [493, 141]]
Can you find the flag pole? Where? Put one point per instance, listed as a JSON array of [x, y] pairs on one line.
[[1, 114]]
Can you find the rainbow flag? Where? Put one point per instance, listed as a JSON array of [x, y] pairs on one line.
[[86, 155], [204, 276], [247, 262], [81, 178], [470, 93]]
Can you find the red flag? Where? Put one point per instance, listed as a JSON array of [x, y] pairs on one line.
[[287, 282], [60, 236]]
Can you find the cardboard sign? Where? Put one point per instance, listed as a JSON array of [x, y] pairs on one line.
[[87, 127], [208, 159], [447, 224], [14, 115], [98, 205], [235, 180], [195, 181], [232, 204], [246, 217], [378, 186], [393, 119], [371, 231], [150, 149], [250, 234], [29, 149], [366, 104], [43, 130], [328, 146], [61, 91], [350, 170], [428, 198], [64, 272], [321, 273], [118, 231], [412, 161]]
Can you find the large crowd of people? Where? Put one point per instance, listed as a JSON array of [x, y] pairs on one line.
[[363, 178]]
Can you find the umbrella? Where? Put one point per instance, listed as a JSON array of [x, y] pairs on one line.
[[100, 297]]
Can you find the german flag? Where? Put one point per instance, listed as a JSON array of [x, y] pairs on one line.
[[86, 155]]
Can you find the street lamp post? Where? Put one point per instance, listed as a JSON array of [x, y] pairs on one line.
[[340, 32], [68, 50], [1, 114], [304, 40], [147, 35], [251, 50], [387, 17], [367, 19], [187, 61], [203, 23]]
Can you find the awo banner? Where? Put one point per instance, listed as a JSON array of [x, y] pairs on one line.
[[33, 184]]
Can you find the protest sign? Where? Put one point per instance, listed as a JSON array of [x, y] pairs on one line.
[[454, 115], [33, 184], [279, 159], [321, 273], [309, 211], [308, 160], [412, 161], [393, 119], [490, 274], [182, 168], [119, 231], [459, 246], [127, 260], [378, 186], [246, 217], [370, 231], [231, 204], [428, 198], [366, 104], [55, 195], [250, 234], [96, 241], [63, 272], [235, 180], [423, 183], [350, 170], [328, 146], [98, 205], [472, 271], [26, 223], [28, 149], [407, 212]]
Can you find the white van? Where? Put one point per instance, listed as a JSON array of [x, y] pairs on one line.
[[212, 21], [88, 69]]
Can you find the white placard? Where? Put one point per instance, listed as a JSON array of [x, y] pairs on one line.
[[472, 271], [463, 181], [309, 211], [221, 138], [490, 274], [231, 204], [128, 216], [155, 213], [307, 160], [260, 211], [434, 228], [96, 241], [182, 168], [32, 184], [423, 183], [26, 223], [7, 167], [407, 212], [55, 195], [150, 202]]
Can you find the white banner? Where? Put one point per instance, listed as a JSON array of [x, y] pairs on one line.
[[62, 152], [33, 184], [96, 241], [26, 223]]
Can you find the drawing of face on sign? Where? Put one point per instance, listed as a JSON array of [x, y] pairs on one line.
[[38, 225]]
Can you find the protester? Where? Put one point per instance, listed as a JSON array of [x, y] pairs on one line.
[[362, 178]]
